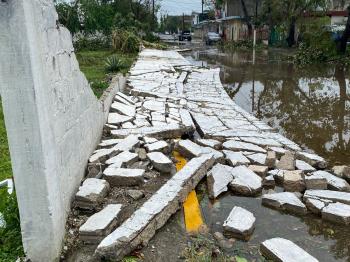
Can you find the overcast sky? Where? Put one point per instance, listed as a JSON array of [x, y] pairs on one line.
[[177, 7]]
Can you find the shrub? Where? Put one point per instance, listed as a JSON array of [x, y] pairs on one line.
[[125, 41], [94, 42], [114, 64], [10, 235]]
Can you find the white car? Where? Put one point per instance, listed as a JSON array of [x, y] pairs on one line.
[[212, 37]]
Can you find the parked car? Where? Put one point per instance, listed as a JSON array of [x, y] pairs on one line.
[[185, 35], [212, 37]]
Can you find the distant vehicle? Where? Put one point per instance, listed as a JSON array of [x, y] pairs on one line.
[[212, 37], [185, 35]]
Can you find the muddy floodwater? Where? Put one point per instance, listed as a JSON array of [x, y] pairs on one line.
[[309, 105]]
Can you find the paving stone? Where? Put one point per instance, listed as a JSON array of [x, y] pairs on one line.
[[283, 250], [285, 201], [315, 182], [109, 142], [135, 194], [218, 179], [302, 165], [161, 162], [235, 158], [312, 159], [240, 223], [287, 161], [336, 196], [91, 193], [259, 170], [124, 109], [342, 171], [315, 205], [123, 159], [124, 176], [333, 182], [160, 146], [142, 225], [245, 181], [269, 182], [209, 143], [100, 224], [258, 158], [118, 119], [189, 149], [293, 181], [242, 146], [337, 213], [271, 159]]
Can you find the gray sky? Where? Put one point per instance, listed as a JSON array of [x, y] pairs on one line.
[[177, 7]]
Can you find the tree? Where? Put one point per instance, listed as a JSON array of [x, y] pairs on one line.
[[346, 35]]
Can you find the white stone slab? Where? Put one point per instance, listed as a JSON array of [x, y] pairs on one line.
[[245, 181], [242, 146], [286, 201], [218, 179], [187, 148], [240, 223], [117, 119], [102, 154], [153, 105], [126, 97], [261, 141], [161, 162], [312, 159], [159, 146], [315, 205], [235, 158], [186, 119], [109, 142], [123, 159], [334, 182], [91, 192], [337, 196], [257, 158], [127, 144], [283, 250], [123, 109], [124, 176], [149, 140], [209, 143], [302, 165], [337, 213]]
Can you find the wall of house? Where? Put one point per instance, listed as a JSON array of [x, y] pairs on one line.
[[53, 120]]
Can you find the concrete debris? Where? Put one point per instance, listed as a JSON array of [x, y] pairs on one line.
[[135, 194], [242, 146], [312, 159], [235, 158], [100, 224], [337, 213], [315, 205], [259, 170], [287, 161], [124, 109], [117, 119], [283, 250], [209, 143], [293, 181], [142, 225], [91, 193], [279, 151], [149, 140], [259, 158], [101, 155], [161, 162], [218, 179], [285, 201], [302, 165], [245, 181], [160, 146], [315, 182], [269, 182], [240, 223], [271, 158], [123, 159], [334, 182], [109, 142], [342, 171], [336, 196], [124, 176], [189, 149], [127, 144]]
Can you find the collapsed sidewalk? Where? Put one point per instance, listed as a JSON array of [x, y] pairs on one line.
[[175, 106]]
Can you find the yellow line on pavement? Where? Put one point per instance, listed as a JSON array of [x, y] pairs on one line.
[[192, 211]]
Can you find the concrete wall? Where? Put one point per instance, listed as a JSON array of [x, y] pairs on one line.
[[52, 117]]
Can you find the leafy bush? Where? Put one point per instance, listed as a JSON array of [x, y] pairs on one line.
[[114, 64], [94, 42], [10, 235], [125, 41]]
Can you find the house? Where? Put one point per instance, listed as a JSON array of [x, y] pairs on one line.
[[338, 17]]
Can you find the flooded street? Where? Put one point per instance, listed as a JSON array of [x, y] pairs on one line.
[[309, 105]]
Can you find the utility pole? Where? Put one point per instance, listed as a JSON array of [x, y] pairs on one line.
[[202, 6]]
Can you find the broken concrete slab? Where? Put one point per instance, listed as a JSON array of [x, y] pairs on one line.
[[315, 205], [156, 106], [287, 161], [342, 171], [102, 155], [189, 149], [235, 158], [293, 181], [242, 146], [129, 143], [161, 162], [315, 182], [312, 159], [261, 141], [100, 224], [259, 170], [124, 176], [283, 250], [269, 182], [159, 146], [285, 201], [149, 140], [271, 158], [245, 181], [109, 142], [154, 213], [118, 119], [187, 120], [218, 179], [135, 194], [209, 143], [127, 98], [123, 159], [257, 158], [280, 151], [333, 182], [124, 109], [337, 213], [302, 165], [336, 196], [240, 223], [277, 175], [91, 193]]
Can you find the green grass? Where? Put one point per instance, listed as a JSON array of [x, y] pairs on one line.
[[5, 161], [93, 65]]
